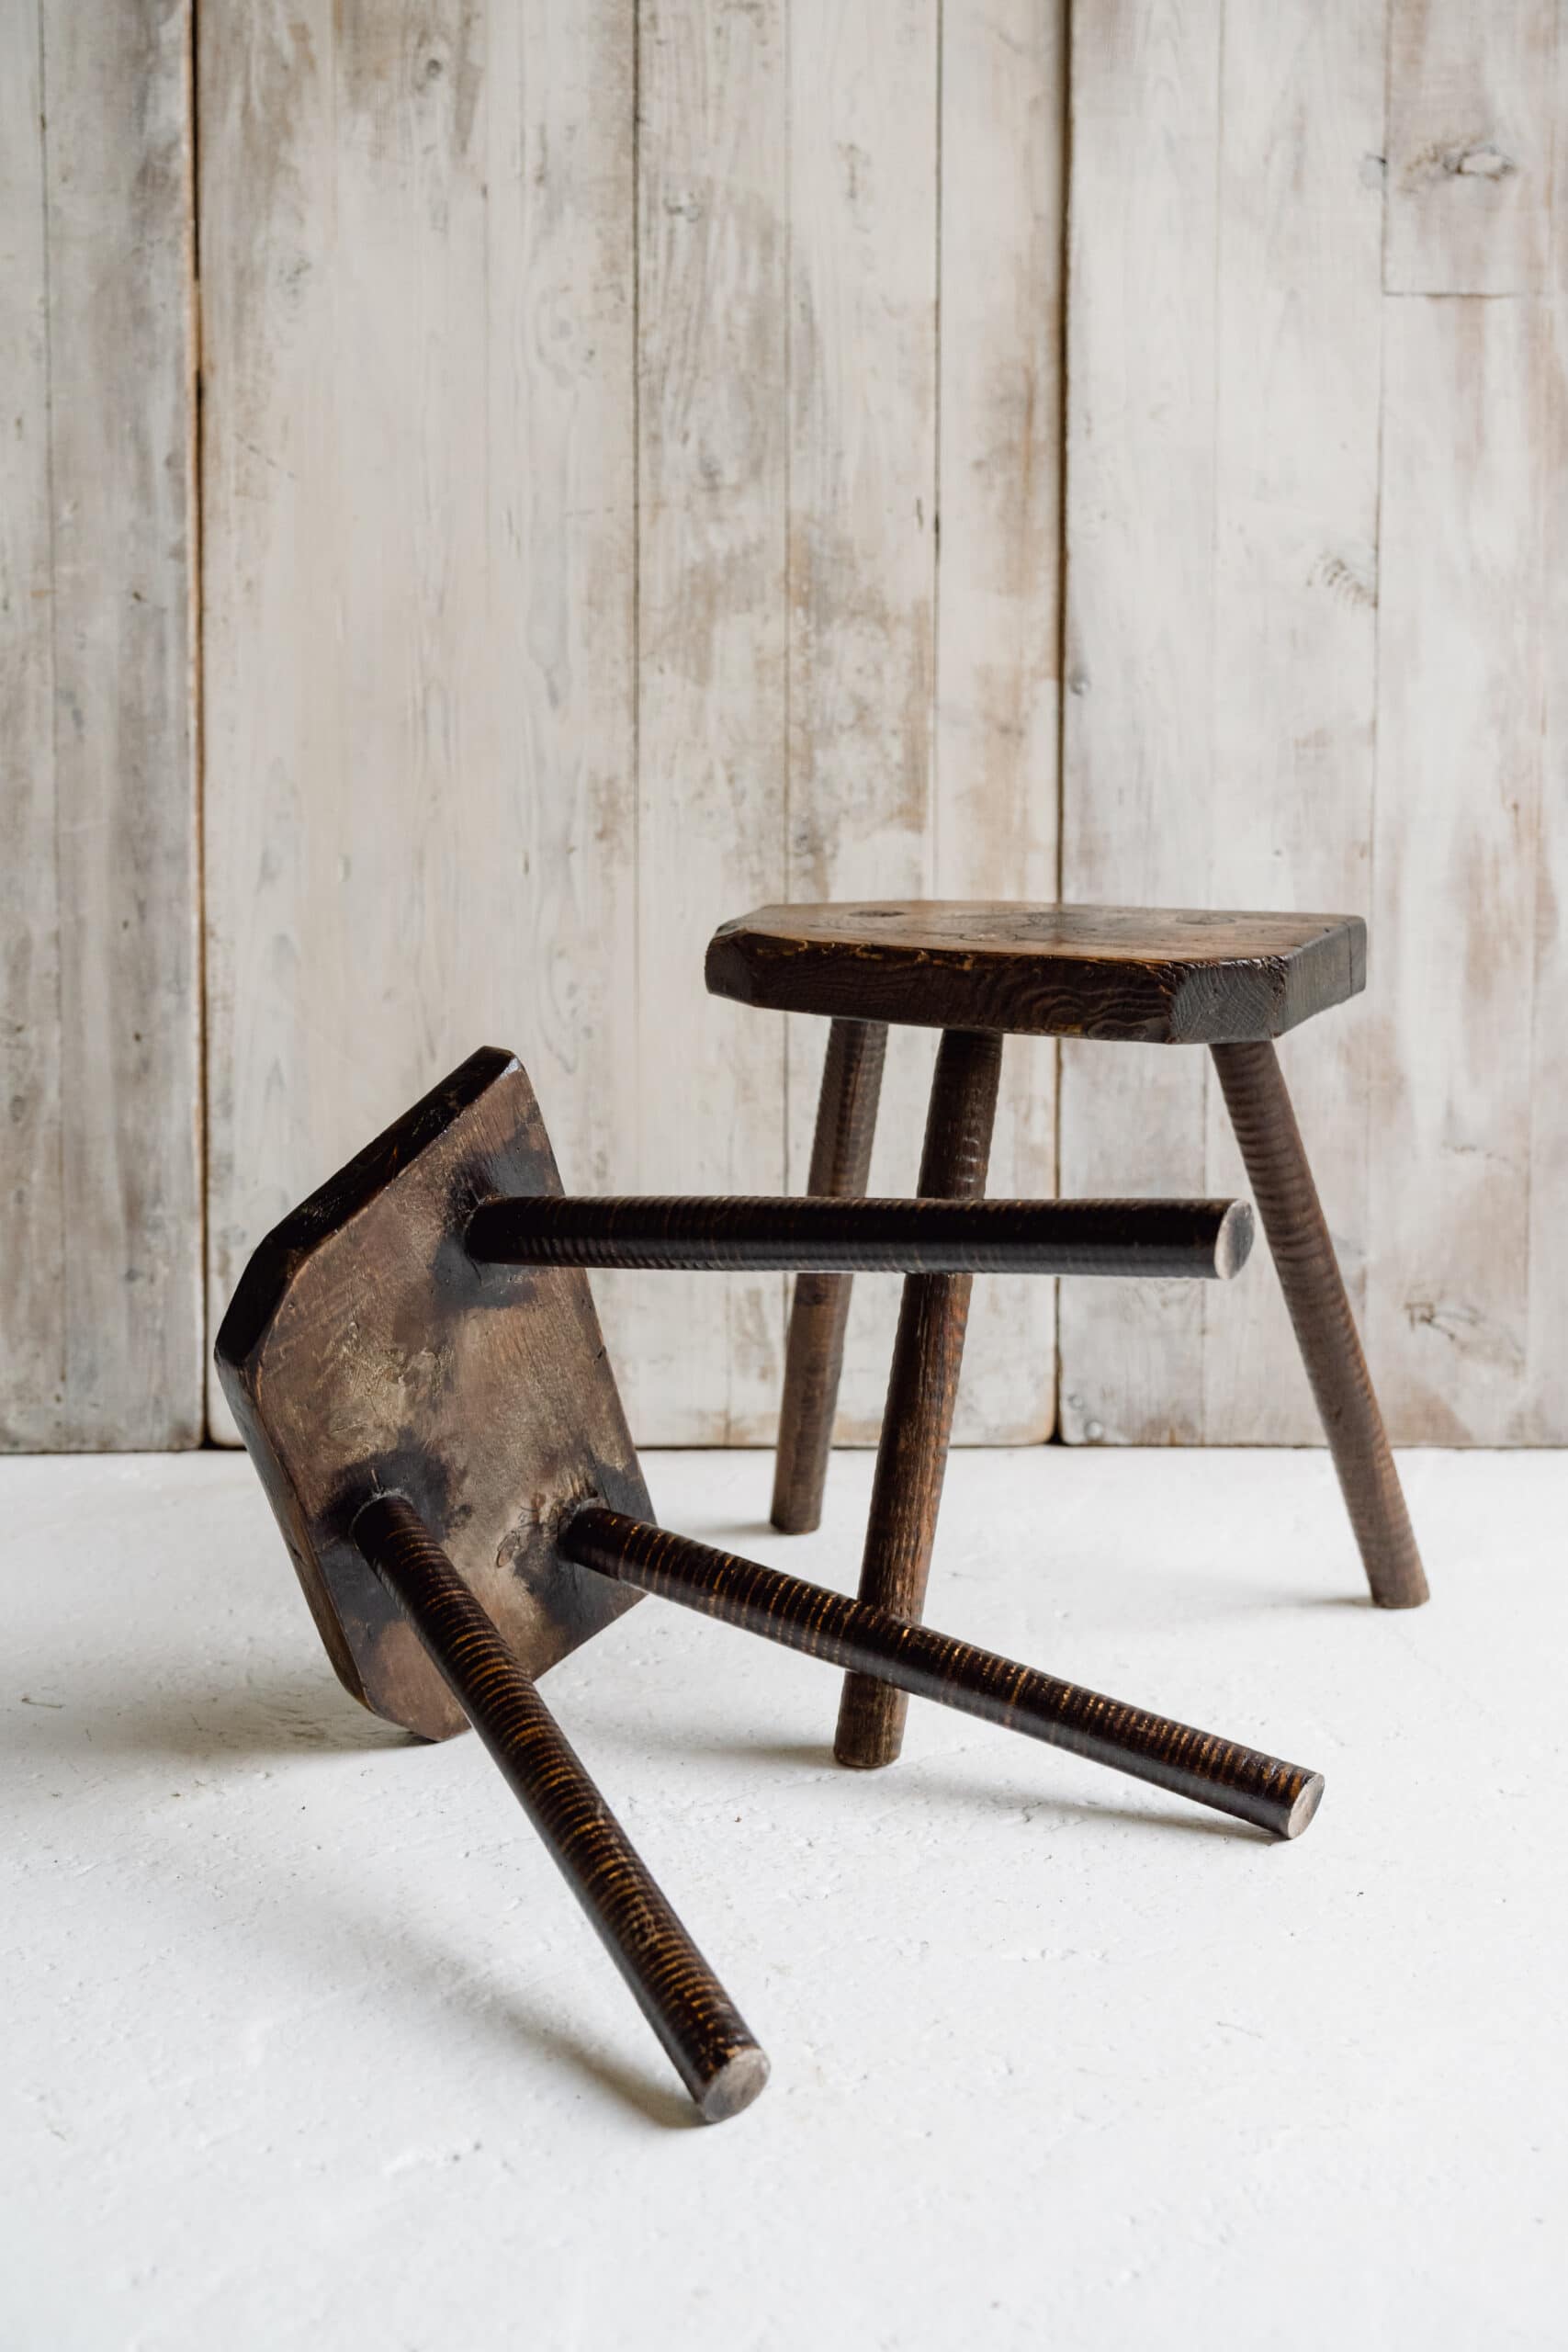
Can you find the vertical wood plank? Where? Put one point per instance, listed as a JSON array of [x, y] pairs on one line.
[[1472, 102], [701, 1355], [1137, 735], [1470, 838], [1298, 395], [104, 1081], [998, 593], [1543, 1420], [863, 131], [122, 421], [271, 623], [32, 1307], [1460, 730], [417, 255]]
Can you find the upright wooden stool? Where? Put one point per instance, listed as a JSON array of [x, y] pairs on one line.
[[417, 1370], [979, 971]]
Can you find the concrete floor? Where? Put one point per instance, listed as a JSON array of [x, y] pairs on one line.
[[307, 2043]]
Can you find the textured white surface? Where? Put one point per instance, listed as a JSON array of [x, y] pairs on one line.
[[307, 2043]]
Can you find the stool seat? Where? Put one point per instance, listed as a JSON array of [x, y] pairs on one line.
[[1156, 976]]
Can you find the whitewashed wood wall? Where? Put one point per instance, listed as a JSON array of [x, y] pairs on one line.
[[653, 458], [101, 1323]]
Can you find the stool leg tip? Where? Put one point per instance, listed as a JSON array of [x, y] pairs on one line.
[[791, 1519], [1412, 1592], [870, 1731], [1305, 1807], [737, 2082]]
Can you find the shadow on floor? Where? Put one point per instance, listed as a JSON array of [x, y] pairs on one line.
[[924, 1781], [197, 1722], [425, 1980]]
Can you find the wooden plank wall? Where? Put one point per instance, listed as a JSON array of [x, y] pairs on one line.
[[1469, 1318], [419, 586], [1315, 549], [100, 1290], [573, 417], [659, 455]]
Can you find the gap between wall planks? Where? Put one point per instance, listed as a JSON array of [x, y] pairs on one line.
[[1282, 356], [100, 1294]]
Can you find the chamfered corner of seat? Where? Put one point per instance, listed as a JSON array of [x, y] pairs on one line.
[[279, 1257], [726, 970], [1326, 971]]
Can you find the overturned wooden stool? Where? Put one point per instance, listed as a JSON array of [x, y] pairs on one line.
[[416, 1367], [979, 971]]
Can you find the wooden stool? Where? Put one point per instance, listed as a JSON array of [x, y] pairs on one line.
[[416, 1367], [977, 971]]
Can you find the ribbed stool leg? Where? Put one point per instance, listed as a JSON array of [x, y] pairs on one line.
[[707, 2039], [841, 1166], [1309, 1273], [1276, 1797], [911, 1460]]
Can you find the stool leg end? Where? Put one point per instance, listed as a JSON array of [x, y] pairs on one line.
[[730, 2091], [872, 1717]]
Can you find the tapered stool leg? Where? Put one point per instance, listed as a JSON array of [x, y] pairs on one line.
[[911, 1458], [1287, 1200], [841, 1166], [704, 2035]]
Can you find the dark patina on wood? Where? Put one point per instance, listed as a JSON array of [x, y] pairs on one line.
[[915, 1660], [707, 2039], [364, 1349], [820, 1309], [1151, 976]]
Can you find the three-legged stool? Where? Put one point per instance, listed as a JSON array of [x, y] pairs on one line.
[[977, 971], [416, 1367]]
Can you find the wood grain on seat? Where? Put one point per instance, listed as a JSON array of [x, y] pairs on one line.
[[1149, 975], [364, 1352]]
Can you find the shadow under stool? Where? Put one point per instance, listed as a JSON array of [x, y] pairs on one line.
[[417, 1371], [979, 971]]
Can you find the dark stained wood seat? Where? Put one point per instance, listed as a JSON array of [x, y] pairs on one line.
[[1159, 975], [980, 970]]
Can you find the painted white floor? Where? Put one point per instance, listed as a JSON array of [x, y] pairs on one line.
[[305, 2043]]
